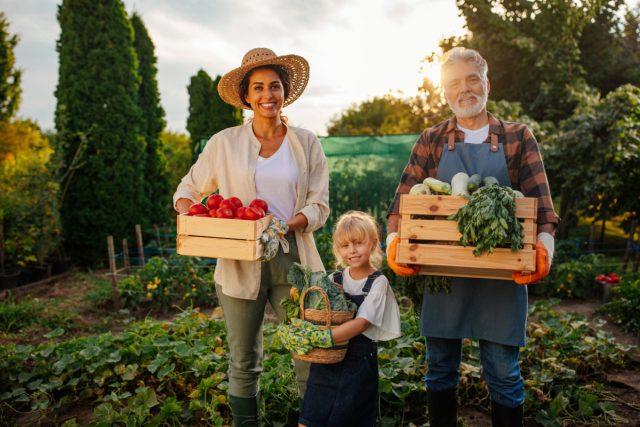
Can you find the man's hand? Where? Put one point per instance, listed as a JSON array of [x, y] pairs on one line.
[[392, 250], [544, 255]]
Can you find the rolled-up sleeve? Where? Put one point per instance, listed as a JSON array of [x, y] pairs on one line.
[[201, 179], [316, 209]]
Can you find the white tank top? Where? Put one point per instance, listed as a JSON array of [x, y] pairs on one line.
[[276, 180]]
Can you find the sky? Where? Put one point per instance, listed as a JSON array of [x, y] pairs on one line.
[[357, 49]]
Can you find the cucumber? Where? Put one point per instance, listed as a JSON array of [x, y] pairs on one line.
[[475, 181], [489, 180], [459, 184], [437, 186]]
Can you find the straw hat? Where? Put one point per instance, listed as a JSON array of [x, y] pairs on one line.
[[296, 66]]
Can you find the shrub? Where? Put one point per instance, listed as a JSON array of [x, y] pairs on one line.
[[573, 278], [625, 306]]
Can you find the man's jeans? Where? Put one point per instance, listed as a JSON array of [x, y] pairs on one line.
[[500, 369]]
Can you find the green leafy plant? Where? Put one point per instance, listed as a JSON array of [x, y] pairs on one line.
[[573, 278], [625, 306]]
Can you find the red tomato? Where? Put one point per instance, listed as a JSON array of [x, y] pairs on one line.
[[197, 208], [224, 213], [252, 214], [228, 204], [240, 213], [261, 211], [212, 213], [213, 201], [236, 202], [259, 203], [207, 215]]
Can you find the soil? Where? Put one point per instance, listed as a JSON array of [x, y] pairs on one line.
[[69, 295]]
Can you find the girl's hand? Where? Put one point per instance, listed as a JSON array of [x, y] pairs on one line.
[[183, 205]]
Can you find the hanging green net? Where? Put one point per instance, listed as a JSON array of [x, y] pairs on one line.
[[364, 172]]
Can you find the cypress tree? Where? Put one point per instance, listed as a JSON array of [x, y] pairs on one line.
[[157, 194], [200, 109], [98, 122], [208, 113], [10, 76]]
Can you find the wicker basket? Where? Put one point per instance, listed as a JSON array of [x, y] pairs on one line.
[[327, 317]]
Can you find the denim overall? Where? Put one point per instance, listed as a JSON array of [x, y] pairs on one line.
[[345, 393], [492, 311]]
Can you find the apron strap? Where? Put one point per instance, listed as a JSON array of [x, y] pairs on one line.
[[494, 142], [337, 277], [452, 140], [372, 277]]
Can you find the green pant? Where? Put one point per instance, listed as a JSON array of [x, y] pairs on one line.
[[244, 319]]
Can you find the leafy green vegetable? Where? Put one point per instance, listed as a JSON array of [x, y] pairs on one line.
[[489, 220], [303, 278]]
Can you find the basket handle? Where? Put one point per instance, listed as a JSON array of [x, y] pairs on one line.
[[327, 306]]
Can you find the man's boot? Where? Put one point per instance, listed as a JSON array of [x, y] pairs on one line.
[[443, 408], [503, 416], [244, 411]]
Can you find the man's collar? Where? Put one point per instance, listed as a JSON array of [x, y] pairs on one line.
[[494, 124]]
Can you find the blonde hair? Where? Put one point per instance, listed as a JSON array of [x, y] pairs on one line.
[[357, 226]]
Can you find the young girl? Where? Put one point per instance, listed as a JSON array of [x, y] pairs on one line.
[[346, 393]]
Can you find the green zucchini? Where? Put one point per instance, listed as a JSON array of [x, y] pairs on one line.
[[459, 184], [437, 186], [489, 180], [475, 181]]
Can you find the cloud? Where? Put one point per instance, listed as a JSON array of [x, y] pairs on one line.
[[357, 49]]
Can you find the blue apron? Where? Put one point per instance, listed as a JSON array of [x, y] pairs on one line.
[[345, 393], [486, 309]]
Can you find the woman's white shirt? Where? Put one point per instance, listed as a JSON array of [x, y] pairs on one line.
[[379, 307], [276, 179]]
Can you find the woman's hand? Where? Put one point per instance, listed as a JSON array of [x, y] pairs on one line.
[[298, 222], [183, 205]]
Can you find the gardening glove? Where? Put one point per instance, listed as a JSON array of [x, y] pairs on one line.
[[399, 269], [291, 341], [273, 237], [316, 336], [544, 256]]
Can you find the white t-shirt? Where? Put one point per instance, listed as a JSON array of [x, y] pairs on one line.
[[475, 136], [379, 307], [275, 180]]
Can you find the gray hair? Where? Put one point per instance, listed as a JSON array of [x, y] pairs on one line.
[[458, 54]]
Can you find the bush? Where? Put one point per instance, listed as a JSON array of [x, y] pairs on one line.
[[625, 306], [163, 282], [573, 278]]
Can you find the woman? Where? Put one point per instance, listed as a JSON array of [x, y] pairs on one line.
[[283, 165]]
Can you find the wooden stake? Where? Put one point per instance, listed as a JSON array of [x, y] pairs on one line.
[[165, 229], [627, 252], [115, 295], [140, 246], [157, 230], [125, 253], [592, 237]]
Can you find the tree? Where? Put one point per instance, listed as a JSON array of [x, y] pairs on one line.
[[603, 135], [382, 115], [10, 76], [157, 194], [541, 52], [208, 114], [177, 151], [98, 115]]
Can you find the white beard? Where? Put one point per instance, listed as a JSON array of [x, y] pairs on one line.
[[472, 110]]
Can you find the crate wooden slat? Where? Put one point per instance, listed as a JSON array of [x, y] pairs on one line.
[[428, 239], [220, 238]]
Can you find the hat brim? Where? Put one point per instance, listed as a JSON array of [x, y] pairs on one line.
[[297, 67]]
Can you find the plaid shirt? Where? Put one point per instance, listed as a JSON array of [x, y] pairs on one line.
[[521, 151]]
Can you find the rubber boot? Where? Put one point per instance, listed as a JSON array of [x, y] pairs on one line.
[[244, 411], [443, 408], [503, 416]]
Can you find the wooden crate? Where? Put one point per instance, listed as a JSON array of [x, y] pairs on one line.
[[434, 243], [220, 238]]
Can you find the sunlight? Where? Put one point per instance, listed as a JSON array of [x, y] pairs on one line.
[[431, 71]]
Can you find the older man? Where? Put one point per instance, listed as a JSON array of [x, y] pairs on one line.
[[492, 311]]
